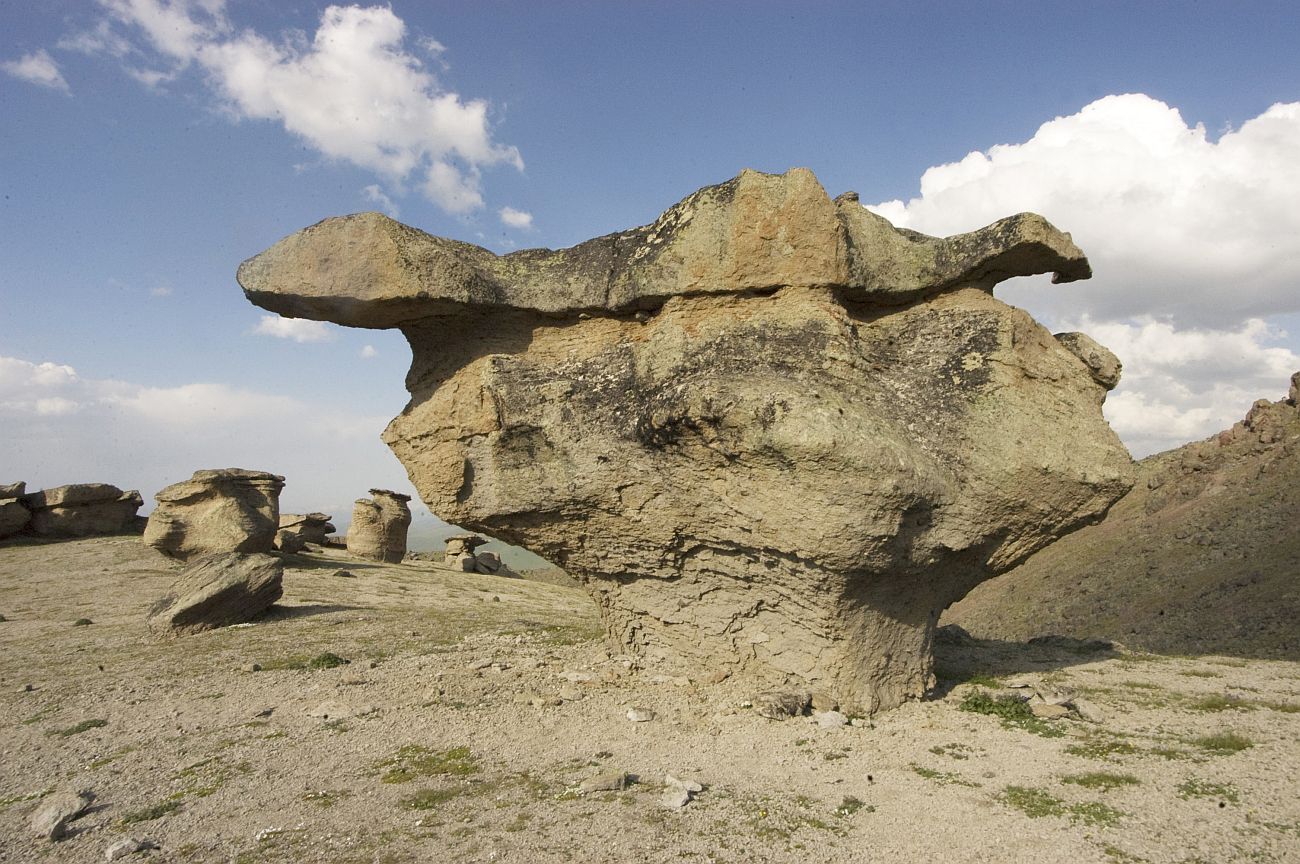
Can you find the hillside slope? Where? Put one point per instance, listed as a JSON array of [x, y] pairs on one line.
[[1203, 556]]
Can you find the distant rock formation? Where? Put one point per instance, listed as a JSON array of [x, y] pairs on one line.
[[1199, 558], [460, 552], [379, 526], [13, 515], [218, 590], [216, 510], [771, 433], [299, 529], [82, 510]]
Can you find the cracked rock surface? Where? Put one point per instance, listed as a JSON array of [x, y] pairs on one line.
[[771, 433]]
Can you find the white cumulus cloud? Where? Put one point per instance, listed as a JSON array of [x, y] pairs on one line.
[[376, 195], [296, 329], [513, 218], [1194, 244], [62, 427], [37, 67], [354, 92]]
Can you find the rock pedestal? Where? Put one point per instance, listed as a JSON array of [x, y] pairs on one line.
[[310, 527], [771, 433], [216, 510], [82, 510], [379, 526]]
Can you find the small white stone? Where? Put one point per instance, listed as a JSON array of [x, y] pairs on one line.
[[640, 715]]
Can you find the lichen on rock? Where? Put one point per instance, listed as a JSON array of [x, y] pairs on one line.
[[769, 432]]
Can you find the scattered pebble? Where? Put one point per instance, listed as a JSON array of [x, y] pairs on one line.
[[678, 793], [831, 719], [253, 667], [345, 574], [640, 715], [128, 846], [606, 781], [50, 821], [27, 688]]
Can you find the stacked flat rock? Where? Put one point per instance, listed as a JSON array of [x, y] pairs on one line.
[[771, 433], [460, 552], [379, 526], [311, 527], [82, 510], [14, 516], [218, 590], [216, 510]]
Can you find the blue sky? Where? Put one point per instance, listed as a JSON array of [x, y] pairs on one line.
[[146, 148]]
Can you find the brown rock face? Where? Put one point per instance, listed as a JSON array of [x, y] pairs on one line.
[[771, 433], [216, 510], [82, 510], [379, 525]]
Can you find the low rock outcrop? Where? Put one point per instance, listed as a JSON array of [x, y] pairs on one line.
[[218, 590], [771, 433], [13, 516], [460, 552], [82, 510], [379, 526], [216, 510], [310, 527]]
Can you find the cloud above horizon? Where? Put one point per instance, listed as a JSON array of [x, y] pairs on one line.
[[38, 68], [294, 329], [1194, 244], [61, 427], [354, 92]]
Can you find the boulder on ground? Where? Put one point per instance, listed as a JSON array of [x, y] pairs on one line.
[[289, 541], [771, 433], [311, 527], [218, 590], [487, 562], [379, 526], [13, 516], [50, 820], [82, 510], [217, 510]]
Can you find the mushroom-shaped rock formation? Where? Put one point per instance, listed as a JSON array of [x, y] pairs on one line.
[[379, 526], [769, 432], [216, 510]]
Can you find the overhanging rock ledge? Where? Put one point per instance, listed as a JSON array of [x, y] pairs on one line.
[[770, 432]]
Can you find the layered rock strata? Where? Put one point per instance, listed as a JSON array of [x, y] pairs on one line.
[[218, 590], [770, 432], [82, 510], [216, 510], [379, 526]]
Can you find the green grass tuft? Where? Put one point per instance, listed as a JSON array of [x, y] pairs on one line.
[[83, 726], [1194, 788], [1102, 780], [146, 814], [1012, 711], [412, 761], [429, 799], [1223, 743]]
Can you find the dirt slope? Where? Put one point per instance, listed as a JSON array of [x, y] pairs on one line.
[[1203, 556]]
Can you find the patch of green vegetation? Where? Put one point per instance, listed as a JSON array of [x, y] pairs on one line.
[[1101, 780], [325, 797], [850, 805], [1219, 702], [1284, 707], [208, 775], [1234, 662], [1172, 754], [1102, 746], [18, 799], [412, 761], [1013, 712], [954, 750], [832, 755], [111, 757], [964, 675], [82, 622], [83, 726], [1223, 743], [1201, 673], [324, 660], [1036, 804], [1140, 685], [147, 814], [1194, 788], [1119, 856], [946, 778], [41, 715], [430, 799]]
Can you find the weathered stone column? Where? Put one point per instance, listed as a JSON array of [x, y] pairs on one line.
[[216, 510], [769, 431], [379, 526]]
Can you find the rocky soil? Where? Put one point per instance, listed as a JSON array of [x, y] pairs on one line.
[[472, 709]]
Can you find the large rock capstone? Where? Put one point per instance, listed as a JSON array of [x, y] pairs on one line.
[[82, 510], [771, 433], [379, 526], [216, 510], [218, 590]]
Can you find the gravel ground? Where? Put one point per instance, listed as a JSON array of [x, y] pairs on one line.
[[472, 709]]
